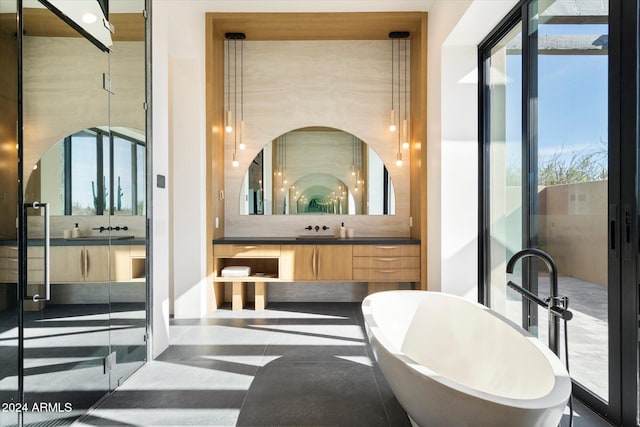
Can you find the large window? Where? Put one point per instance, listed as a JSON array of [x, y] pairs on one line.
[[88, 156], [547, 151]]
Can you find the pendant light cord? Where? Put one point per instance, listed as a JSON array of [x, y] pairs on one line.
[[399, 105], [242, 80], [392, 72], [405, 81], [235, 95], [228, 76]]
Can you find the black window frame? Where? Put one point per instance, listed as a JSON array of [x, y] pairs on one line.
[[100, 134], [622, 407]]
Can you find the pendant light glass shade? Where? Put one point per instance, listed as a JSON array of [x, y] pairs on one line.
[[242, 145], [405, 134], [229, 120], [399, 159]]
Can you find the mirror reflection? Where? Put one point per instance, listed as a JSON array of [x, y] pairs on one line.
[[317, 170], [96, 171]]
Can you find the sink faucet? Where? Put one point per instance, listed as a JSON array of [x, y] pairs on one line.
[[555, 311], [110, 228]]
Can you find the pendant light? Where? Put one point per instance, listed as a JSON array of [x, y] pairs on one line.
[[231, 118], [405, 122], [392, 121], [242, 145], [228, 115], [398, 35]]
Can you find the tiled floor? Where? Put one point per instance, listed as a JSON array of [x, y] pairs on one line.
[[291, 365], [64, 348]]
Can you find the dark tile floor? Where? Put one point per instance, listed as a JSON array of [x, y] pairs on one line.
[[64, 348], [292, 365]]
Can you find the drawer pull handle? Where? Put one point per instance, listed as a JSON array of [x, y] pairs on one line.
[[249, 247], [314, 264], [82, 263], [386, 247], [387, 271], [387, 259]]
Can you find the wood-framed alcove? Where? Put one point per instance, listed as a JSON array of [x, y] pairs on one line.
[[311, 26]]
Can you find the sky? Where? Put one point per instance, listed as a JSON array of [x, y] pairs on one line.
[[84, 171], [572, 98]]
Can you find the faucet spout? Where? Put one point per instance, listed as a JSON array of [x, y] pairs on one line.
[[554, 310], [540, 254]]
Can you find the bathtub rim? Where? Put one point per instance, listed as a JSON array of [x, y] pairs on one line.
[[559, 393]]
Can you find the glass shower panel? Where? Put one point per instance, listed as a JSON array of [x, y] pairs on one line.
[[128, 183], [570, 63], [504, 93], [66, 338], [9, 307]]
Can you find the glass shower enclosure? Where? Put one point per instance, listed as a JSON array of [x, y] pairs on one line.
[[73, 206]]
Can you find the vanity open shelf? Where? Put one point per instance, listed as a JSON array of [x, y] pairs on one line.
[[382, 263]]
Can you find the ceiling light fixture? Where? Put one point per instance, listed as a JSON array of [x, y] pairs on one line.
[[89, 18]]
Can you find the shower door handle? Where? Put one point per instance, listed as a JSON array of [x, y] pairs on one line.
[[47, 251]]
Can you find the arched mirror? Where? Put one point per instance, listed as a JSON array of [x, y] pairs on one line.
[[317, 170], [96, 171]]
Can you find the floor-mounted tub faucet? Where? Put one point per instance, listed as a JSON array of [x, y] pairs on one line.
[[555, 311]]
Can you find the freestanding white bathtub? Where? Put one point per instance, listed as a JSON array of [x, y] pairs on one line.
[[452, 362]]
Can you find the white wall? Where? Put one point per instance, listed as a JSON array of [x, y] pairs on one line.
[[455, 30], [160, 203]]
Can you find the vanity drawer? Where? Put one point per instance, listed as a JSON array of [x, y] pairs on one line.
[[9, 252], [386, 262], [246, 251], [386, 274], [386, 250]]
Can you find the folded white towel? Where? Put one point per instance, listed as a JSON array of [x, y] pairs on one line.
[[236, 271]]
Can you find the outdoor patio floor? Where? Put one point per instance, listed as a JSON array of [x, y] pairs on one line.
[[588, 330]]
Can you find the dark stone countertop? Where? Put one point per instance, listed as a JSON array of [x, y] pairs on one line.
[[316, 239], [83, 241]]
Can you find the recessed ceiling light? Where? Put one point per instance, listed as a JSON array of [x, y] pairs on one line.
[[89, 18]]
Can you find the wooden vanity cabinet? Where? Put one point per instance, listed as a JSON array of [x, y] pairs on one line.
[[316, 262], [72, 264], [386, 263], [381, 266], [97, 263], [127, 263]]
